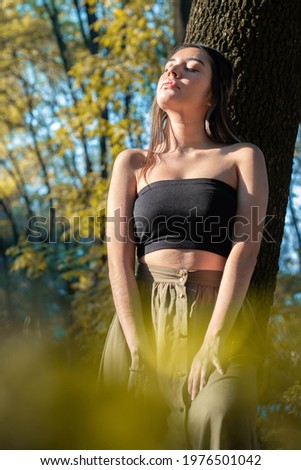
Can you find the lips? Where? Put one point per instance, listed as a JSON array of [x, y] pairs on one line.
[[169, 84]]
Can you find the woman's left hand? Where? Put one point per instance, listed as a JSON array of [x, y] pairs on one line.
[[205, 361], [137, 384]]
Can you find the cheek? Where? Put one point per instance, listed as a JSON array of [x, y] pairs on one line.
[[202, 95]]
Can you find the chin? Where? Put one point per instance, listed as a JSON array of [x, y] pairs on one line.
[[169, 104]]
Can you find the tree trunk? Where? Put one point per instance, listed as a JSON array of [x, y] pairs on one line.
[[6, 206], [53, 13], [7, 285], [263, 40], [17, 177], [91, 17]]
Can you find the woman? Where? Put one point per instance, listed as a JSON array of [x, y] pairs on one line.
[[187, 205]]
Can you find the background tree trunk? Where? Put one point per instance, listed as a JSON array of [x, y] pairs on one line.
[[263, 40], [181, 10]]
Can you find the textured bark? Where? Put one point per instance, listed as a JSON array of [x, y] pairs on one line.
[[263, 40]]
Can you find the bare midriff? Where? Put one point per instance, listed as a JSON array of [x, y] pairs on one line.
[[185, 259]]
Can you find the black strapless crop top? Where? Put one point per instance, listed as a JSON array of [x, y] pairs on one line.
[[194, 213]]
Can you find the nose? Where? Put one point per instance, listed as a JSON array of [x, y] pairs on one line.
[[172, 71]]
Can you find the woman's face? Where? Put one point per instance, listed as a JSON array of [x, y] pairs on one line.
[[186, 82]]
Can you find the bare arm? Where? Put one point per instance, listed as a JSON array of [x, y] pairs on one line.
[[121, 253], [251, 210]]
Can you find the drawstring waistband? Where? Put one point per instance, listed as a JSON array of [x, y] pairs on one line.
[[179, 275]]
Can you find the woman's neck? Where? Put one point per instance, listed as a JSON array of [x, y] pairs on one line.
[[185, 135]]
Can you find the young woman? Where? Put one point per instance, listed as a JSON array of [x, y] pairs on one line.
[[191, 205]]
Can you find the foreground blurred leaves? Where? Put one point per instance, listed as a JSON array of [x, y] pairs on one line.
[[45, 403]]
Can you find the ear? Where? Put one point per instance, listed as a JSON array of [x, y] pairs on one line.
[[210, 101]]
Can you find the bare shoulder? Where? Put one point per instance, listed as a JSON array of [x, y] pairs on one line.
[[126, 166], [130, 160], [250, 168], [246, 153]]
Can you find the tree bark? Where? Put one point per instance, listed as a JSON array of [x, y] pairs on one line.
[[262, 38]]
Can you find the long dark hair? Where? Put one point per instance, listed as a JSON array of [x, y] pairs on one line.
[[217, 125]]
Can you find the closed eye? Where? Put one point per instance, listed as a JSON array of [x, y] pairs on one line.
[[190, 69], [187, 68]]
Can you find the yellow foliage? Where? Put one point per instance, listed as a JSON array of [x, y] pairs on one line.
[[48, 403], [61, 128], [132, 39], [7, 185], [31, 261]]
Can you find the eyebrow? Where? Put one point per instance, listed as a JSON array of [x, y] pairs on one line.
[[189, 59]]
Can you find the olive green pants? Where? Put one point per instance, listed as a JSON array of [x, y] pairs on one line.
[[177, 305]]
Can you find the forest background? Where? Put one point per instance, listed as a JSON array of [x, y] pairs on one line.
[[76, 84]]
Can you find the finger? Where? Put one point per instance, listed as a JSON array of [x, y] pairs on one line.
[[190, 382], [218, 366], [203, 377], [195, 386]]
